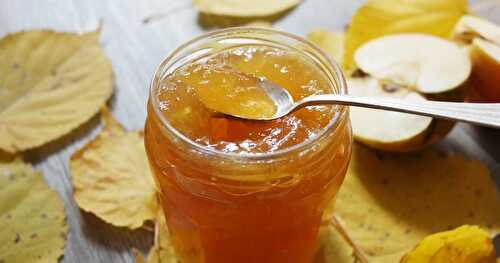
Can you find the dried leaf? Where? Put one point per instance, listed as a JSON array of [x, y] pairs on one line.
[[467, 244], [162, 251], [50, 83], [112, 179], [389, 203], [32, 220], [331, 42], [333, 249], [383, 17], [244, 8]]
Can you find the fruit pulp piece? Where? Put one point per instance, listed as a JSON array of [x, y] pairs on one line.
[[235, 94]]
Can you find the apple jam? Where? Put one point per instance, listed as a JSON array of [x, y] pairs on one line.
[[234, 190]]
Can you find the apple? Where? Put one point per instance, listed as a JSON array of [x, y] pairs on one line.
[[482, 39], [410, 67]]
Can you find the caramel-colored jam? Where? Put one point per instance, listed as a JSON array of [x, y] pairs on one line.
[[216, 81], [222, 209]]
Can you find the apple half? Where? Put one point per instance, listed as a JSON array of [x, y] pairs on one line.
[[425, 63], [483, 40], [470, 27], [386, 130], [409, 67]]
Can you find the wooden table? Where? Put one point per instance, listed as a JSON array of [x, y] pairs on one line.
[[135, 49]]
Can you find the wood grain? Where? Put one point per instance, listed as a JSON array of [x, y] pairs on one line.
[[135, 49]]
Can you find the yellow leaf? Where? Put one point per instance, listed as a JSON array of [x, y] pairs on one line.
[[331, 42], [244, 8], [377, 18], [112, 128], [466, 244], [50, 83], [32, 220], [388, 203], [162, 251], [111, 177], [333, 249]]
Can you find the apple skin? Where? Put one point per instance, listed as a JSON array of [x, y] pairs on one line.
[[485, 77]]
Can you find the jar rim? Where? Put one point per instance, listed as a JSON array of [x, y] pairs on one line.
[[333, 126]]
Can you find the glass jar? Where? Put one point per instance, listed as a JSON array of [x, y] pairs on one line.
[[243, 207]]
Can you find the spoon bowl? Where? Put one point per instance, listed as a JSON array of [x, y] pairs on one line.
[[281, 97]]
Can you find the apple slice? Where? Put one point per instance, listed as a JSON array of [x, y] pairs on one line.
[[386, 130], [470, 27], [483, 38], [425, 63]]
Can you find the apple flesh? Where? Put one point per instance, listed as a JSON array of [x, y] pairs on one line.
[[425, 63]]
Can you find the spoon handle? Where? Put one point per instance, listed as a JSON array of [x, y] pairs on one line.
[[484, 114]]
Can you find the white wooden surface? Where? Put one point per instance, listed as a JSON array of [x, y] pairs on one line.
[[135, 48]]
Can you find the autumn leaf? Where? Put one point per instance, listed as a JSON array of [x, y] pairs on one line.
[[377, 18], [331, 42], [50, 83], [468, 244], [163, 250], [389, 203], [112, 179], [33, 226], [332, 248], [244, 8]]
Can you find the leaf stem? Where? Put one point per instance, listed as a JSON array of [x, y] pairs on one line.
[[358, 252]]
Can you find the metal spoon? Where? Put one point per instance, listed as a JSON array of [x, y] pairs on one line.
[[484, 114]]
